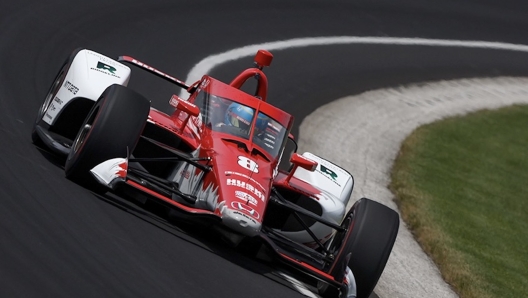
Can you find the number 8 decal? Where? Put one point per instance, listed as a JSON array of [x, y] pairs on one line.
[[247, 163]]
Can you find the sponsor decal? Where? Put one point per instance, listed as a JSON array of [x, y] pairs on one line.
[[274, 126], [174, 101], [247, 163], [48, 116], [247, 209], [106, 69], [246, 197], [104, 59], [235, 115], [245, 216], [204, 83], [70, 87], [141, 64], [328, 173], [229, 173], [52, 107], [246, 186], [58, 100], [104, 66]]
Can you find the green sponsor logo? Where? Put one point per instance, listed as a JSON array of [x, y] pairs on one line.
[[101, 65], [328, 172]]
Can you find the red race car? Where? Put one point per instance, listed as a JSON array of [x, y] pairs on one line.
[[217, 157]]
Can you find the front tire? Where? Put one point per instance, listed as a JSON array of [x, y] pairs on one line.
[[366, 245], [111, 129]]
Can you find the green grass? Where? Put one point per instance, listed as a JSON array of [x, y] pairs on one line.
[[462, 187]]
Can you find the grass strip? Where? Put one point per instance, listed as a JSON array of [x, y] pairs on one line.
[[462, 187]]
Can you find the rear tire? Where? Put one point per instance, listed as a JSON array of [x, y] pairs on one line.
[[366, 245], [112, 127]]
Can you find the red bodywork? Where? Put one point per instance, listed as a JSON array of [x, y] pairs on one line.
[[240, 173], [230, 162]]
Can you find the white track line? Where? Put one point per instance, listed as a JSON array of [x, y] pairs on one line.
[[207, 64], [377, 122]]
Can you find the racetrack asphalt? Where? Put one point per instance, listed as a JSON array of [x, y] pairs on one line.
[[59, 239]]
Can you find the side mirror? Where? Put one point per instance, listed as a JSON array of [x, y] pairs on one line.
[[300, 161], [184, 106]]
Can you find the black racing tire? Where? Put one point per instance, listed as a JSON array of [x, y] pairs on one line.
[[111, 129], [50, 96], [366, 245]]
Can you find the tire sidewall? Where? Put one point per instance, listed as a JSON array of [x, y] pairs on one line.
[[117, 120], [367, 244]]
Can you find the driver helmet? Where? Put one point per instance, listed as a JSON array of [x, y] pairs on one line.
[[240, 116], [262, 123]]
